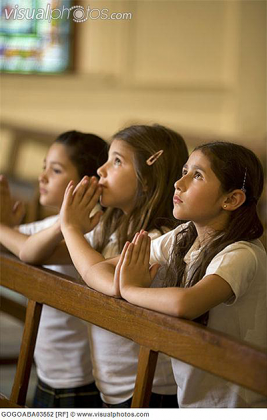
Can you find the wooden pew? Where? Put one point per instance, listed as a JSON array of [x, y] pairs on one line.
[[202, 347]]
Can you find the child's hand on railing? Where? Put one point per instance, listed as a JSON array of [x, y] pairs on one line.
[[78, 204], [11, 212]]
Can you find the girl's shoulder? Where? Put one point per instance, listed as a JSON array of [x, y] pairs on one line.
[[157, 233], [241, 264], [254, 248], [243, 253], [37, 226], [162, 245]]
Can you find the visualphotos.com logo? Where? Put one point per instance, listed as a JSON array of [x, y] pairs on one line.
[[78, 14]]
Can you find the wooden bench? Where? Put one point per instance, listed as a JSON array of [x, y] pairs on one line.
[[202, 347]]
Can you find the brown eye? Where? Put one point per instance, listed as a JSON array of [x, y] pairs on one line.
[[198, 175], [117, 161]]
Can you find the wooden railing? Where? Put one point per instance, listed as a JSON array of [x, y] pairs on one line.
[[201, 347]]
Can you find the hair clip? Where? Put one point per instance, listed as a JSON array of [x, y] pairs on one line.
[[244, 182], [152, 159]]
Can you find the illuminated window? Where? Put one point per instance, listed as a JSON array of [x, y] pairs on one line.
[[35, 36]]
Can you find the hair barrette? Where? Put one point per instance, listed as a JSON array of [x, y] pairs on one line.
[[244, 182], [152, 159]]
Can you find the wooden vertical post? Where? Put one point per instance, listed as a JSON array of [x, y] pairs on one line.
[[147, 362], [20, 386]]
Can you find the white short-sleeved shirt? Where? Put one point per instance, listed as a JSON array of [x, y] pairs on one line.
[[62, 352], [243, 266], [115, 358]]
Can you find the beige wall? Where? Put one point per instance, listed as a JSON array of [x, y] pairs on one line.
[[197, 66]]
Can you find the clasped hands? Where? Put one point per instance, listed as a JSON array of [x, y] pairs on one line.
[[133, 269], [78, 204]]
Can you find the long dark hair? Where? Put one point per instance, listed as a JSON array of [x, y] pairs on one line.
[[86, 151], [152, 207], [235, 166]]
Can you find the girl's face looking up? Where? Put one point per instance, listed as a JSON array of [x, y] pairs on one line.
[[198, 196], [58, 170], [118, 177]]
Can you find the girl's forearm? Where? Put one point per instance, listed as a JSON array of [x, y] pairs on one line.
[[41, 245], [164, 300], [12, 239], [101, 278], [83, 255], [96, 271], [188, 303], [81, 252]]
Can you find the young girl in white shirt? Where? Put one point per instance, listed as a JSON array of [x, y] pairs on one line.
[[216, 264], [62, 353], [133, 187]]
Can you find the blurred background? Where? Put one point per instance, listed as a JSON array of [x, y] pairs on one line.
[[196, 66]]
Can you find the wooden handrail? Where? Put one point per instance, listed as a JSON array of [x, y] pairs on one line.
[[207, 349]]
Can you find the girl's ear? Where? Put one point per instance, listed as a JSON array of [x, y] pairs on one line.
[[234, 200]]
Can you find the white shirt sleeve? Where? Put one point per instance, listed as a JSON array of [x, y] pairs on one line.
[[34, 227], [237, 265], [162, 246], [90, 238]]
